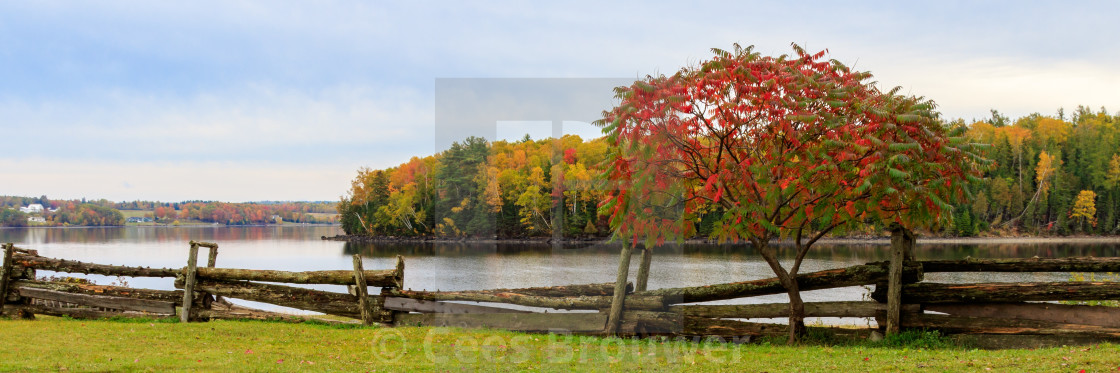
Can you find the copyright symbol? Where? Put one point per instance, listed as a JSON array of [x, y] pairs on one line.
[[388, 344]]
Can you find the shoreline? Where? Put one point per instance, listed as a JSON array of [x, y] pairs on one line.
[[884, 240], [205, 225]]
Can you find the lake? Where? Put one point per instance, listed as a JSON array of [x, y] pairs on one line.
[[470, 266]]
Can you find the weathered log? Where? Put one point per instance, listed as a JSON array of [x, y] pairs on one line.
[[21, 273], [190, 274], [524, 322], [330, 303], [235, 312], [426, 306], [902, 241], [644, 323], [570, 302], [833, 278], [173, 296], [209, 245], [116, 303], [84, 313], [362, 291], [73, 266], [986, 325], [1081, 264], [1051, 312], [1003, 292], [776, 310], [5, 274], [380, 278], [604, 289], [730, 328], [30, 252]]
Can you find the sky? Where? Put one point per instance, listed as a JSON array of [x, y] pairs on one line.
[[275, 100]]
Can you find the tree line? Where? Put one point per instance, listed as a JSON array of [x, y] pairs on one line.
[[102, 212], [1051, 175], [478, 188]]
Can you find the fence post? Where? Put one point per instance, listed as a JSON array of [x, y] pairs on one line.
[[212, 260], [362, 290], [5, 274], [384, 315], [615, 318], [901, 243], [643, 269], [188, 283]]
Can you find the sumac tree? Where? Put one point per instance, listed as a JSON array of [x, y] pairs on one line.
[[790, 147]]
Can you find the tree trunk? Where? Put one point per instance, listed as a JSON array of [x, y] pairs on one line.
[[789, 282], [796, 312]]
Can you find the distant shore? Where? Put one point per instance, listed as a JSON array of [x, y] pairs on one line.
[[884, 240]]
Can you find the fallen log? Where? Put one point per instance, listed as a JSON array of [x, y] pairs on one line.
[[833, 278], [1058, 313], [73, 266], [380, 278], [1003, 292], [594, 302], [988, 325], [1081, 264], [172, 296], [102, 301], [776, 310], [338, 304]]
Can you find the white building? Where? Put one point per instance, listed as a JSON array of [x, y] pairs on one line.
[[32, 208], [36, 219]]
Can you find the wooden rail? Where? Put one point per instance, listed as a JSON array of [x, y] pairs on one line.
[[610, 308]]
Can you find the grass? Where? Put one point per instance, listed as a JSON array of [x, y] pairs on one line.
[[57, 344]]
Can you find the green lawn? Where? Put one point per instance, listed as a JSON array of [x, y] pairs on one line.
[[53, 344]]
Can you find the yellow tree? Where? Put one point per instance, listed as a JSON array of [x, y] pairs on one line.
[[1045, 171], [1113, 177], [1085, 208]]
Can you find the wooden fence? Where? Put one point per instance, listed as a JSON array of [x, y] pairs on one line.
[[900, 298]]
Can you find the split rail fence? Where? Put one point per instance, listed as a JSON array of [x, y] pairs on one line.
[[900, 300]]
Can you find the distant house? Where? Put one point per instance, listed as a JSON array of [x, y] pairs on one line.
[[36, 219], [135, 219], [33, 208]]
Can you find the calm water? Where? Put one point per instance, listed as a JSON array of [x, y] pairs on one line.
[[482, 266]]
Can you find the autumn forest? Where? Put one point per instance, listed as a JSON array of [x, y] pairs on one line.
[[1052, 175]]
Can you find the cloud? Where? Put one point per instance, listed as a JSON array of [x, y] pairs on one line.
[[254, 123], [173, 181], [292, 87]]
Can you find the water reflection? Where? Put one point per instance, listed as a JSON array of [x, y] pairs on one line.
[[215, 233]]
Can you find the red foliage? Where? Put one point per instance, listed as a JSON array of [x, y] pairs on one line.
[[779, 145]]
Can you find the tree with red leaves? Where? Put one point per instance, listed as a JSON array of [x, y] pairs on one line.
[[788, 147]]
